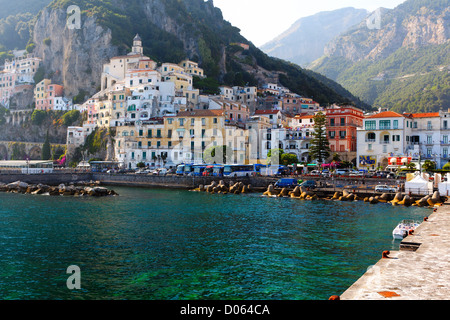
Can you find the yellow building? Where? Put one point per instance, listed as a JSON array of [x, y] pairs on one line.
[[192, 68], [147, 143]]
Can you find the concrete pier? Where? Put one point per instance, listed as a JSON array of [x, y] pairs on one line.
[[420, 270]]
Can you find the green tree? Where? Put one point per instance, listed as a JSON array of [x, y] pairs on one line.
[[288, 159], [46, 149], [38, 116], [411, 166], [319, 148], [140, 165], [428, 165]]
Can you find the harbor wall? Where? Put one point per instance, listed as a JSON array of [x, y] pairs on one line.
[[47, 178]]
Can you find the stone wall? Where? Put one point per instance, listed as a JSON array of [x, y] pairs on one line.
[[132, 180], [48, 178], [182, 182]]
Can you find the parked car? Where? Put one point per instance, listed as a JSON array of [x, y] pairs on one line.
[[326, 173], [342, 172], [286, 183], [309, 184], [381, 174], [314, 173], [391, 175], [385, 188]]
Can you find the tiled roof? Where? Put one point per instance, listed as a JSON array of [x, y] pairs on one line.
[[386, 114], [201, 113], [267, 111], [426, 115]]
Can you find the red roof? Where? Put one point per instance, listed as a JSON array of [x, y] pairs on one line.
[[267, 111], [386, 114], [426, 115]]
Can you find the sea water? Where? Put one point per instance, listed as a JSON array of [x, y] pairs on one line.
[[153, 244]]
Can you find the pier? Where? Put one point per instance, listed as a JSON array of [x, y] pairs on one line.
[[418, 271]]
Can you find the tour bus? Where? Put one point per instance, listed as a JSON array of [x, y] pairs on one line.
[[188, 168], [208, 172], [198, 170], [180, 170], [258, 168], [238, 170], [218, 171]]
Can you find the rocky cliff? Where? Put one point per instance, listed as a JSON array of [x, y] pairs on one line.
[[171, 30], [73, 57], [400, 61], [399, 27]]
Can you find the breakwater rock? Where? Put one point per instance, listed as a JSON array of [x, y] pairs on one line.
[[74, 189], [221, 187], [431, 201]]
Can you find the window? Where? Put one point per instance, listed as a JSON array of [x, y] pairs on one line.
[[371, 125], [149, 133], [181, 122], [429, 152], [214, 120], [445, 124], [445, 152], [192, 121], [342, 121], [429, 139], [158, 133], [445, 139], [385, 124], [371, 137], [429, 126], [203, 122], [169, 133], [395, 124]]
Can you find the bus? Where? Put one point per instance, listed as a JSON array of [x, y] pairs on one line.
[[198, 170], [218, 171], [208, 172], [258, 168], [238, 170], [188, 168], [180, 170]]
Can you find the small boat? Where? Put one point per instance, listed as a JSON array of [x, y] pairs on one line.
[[403, 228]]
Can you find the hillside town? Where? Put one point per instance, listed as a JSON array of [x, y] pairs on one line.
[[159, 119]]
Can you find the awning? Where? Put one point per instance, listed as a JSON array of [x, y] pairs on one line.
[[404, 160], [393, 160]]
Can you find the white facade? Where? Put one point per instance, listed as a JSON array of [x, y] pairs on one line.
[[383, 136]]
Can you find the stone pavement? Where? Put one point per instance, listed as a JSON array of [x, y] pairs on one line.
[[423, 274]]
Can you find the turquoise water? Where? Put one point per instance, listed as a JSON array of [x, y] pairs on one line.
[[164, 244]]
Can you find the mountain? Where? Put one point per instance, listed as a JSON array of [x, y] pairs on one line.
[[12, 8], [306, 39], [404, 65], [171, 30]]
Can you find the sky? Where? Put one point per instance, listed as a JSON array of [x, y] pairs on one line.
[[262, 20]]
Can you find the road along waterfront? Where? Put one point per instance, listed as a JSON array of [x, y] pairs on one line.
[[175, 244]]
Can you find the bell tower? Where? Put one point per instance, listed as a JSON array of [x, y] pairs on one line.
[[137, 45]]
